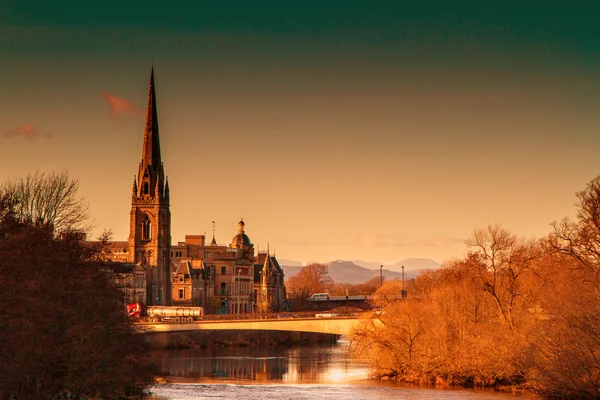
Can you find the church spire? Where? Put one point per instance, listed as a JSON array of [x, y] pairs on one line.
[[134, 189], [151, 176], [151, 148], [149, 242]]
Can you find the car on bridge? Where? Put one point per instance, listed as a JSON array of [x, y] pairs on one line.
[[326, 315]]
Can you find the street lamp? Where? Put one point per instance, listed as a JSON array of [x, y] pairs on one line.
[[237, 301], [259, 300], [403, 291], [381, 286]]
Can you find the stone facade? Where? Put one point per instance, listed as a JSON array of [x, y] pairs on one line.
[[192, 284], [242, 282]]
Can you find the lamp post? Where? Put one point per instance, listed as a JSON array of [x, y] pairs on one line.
[[233, 285], [381, 286], [237, 301], [125, 292], [231, 293], [403, 291], [259, 300]]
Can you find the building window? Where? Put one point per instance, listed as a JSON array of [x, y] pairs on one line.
[[223, 270], [146, 228], [223, 288], [139, 280], [181, 293], [145, 187], [206, 254]]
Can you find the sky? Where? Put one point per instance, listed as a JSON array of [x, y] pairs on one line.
[[338, 130]]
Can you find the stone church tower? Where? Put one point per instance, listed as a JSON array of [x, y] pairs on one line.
[[149, 241]]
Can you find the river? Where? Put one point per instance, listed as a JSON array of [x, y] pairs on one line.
[[299, 373]]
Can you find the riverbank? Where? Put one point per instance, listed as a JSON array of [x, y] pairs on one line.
[[225, 338]]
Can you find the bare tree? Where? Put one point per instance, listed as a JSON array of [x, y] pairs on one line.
[[580, 239], [392, 341], [504, 260], [313, 278], [371, 286], [51, 200], [63, 332], [568, 351]]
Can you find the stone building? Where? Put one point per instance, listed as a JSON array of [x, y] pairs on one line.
[[270, 289], [192, 284], [244, 282], [228, 279]]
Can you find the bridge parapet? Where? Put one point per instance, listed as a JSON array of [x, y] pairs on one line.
[[340, 325]]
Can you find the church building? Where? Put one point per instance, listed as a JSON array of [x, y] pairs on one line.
[[229, 279]]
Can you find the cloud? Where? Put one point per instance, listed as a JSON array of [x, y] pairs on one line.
[[388, 240], [28, 131], [120, 107]]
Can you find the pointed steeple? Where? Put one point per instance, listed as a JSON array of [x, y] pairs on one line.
[[135, 188], [151, 147], [151, 175], [265, 282], [268, 265]]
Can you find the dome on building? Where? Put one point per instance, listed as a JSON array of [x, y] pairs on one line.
[[241, 240]]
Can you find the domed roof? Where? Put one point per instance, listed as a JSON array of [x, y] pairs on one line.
[[241, 240]]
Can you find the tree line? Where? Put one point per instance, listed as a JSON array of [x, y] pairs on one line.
[[512, 311], [63, 329], [314, 278]]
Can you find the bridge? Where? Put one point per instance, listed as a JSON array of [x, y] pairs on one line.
[[337, 325]]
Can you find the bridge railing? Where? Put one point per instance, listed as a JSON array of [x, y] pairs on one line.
[[283, 315], [276, 316]]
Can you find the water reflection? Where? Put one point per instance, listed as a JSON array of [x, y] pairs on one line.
[[323, 364], [310, 373], [225, 364]]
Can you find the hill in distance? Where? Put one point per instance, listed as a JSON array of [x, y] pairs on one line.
[[350, 272], [410, 264], [289, 263]]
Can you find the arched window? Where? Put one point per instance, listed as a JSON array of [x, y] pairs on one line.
[[145, 187], [146, 228]]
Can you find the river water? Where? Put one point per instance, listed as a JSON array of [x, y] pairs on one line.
[[299, 373]]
